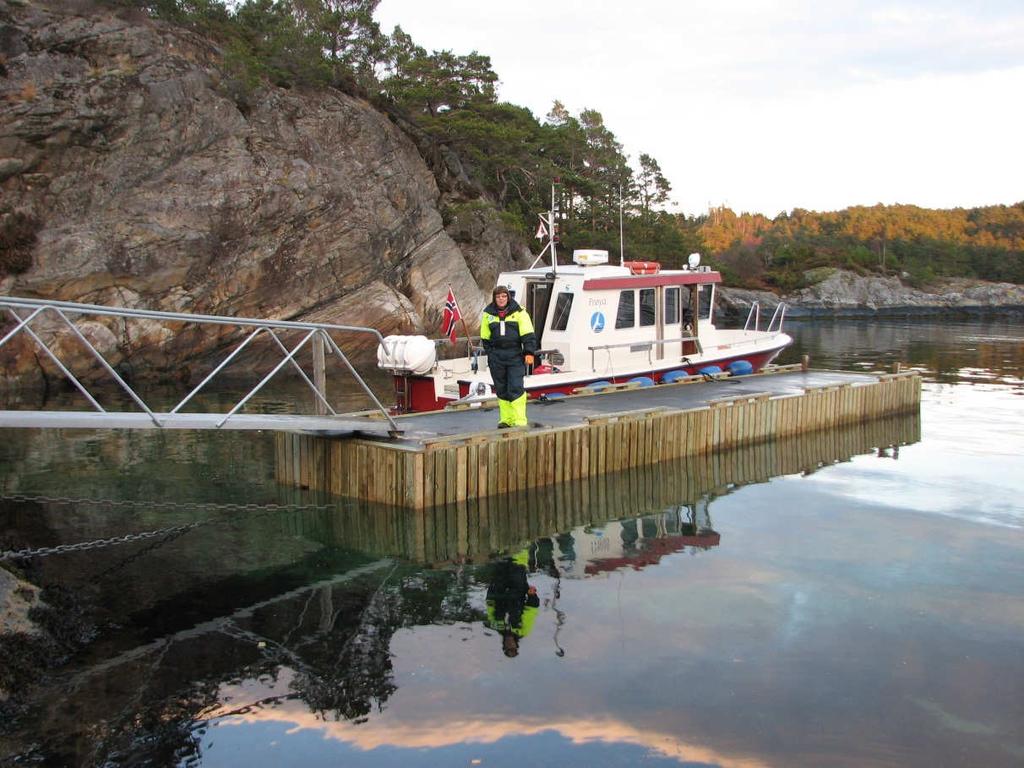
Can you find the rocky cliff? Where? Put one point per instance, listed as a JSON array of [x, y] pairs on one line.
[[130, 176]]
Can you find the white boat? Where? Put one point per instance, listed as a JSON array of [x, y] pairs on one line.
[[596, 324]]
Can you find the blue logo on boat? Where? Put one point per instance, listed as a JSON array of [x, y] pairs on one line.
[[597, 322]]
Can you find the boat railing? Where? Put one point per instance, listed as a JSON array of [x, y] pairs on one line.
[[649, 344], [780, 315], [755, 315], [464, 347]]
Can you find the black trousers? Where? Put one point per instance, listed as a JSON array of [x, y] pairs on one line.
[[507, 370]]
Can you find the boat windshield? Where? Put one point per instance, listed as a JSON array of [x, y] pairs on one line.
[[706, 299], [563, 306]]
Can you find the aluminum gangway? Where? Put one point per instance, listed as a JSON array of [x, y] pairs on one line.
[[286, 338]]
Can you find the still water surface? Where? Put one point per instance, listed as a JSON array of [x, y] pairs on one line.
[[846, 599]]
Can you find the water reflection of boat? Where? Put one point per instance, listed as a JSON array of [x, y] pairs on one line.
[[636, 542]]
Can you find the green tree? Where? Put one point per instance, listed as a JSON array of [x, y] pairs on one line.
[[437, 82], [652, 186], [350, 39]]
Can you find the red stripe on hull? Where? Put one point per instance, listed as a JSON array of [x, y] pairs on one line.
[[421, 397]]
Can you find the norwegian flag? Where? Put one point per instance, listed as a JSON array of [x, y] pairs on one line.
[[451, 316]]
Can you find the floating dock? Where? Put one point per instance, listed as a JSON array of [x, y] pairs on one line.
[[479, 526], [448, 457]]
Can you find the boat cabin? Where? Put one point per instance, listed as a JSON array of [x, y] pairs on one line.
[[591, 315]]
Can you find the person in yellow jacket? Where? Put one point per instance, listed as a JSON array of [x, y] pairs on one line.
[[512, 604], [510, 343]]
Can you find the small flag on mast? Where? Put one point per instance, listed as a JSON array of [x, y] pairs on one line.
[[451, 316], [542, 231]]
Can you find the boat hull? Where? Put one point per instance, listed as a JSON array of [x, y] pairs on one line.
[[417, 393]]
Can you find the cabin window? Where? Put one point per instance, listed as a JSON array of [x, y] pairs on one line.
[[671, 306], [626, 316], [648, 316], [705, 297], [563, 305]]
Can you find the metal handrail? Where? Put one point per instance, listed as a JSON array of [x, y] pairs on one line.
[[755, 311], [644, 341], [780, 313], [37, 308], [649, 343]]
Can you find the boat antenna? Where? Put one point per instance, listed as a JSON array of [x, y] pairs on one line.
[[621, 246]]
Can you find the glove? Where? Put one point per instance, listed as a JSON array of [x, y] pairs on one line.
[[528, 358]]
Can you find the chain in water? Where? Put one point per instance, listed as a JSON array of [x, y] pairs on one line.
[[132, 537], [155, 504], [83, 546]]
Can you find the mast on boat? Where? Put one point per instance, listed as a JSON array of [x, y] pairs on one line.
[[547, 228]]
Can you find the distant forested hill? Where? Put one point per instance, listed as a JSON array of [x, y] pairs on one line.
[[918, 243]]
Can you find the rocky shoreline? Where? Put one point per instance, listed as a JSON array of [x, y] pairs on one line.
[[838, 294]]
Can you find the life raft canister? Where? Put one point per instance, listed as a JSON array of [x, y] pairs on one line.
[[643, 267]]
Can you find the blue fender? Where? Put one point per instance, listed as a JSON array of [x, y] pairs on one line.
[[740, 368], [673, 376]]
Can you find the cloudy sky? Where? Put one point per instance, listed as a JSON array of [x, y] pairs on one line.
[[768, 106]]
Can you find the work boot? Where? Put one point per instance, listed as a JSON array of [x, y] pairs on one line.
[[506, 417], [518, 412]]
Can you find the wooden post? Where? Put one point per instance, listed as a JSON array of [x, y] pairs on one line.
[[805, 363]]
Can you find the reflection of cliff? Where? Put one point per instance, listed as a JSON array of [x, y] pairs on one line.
[[479, 527], [329, 639]]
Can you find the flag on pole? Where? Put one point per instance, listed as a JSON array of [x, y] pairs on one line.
[[542, 231], [451, 316]]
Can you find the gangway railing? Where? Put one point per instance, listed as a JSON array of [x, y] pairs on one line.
[[317, 336]]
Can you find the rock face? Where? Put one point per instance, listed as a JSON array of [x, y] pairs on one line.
[[149, 187], [17, 598], [845, 293], [841, 293]]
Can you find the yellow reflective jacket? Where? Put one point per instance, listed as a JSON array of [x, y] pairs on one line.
[[512, 329]]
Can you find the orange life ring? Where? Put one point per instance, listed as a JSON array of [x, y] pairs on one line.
[[643, 267]]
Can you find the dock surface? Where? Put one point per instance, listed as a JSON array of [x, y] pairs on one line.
[[456, 455], [419, 428]]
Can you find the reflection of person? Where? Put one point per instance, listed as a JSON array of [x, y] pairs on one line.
[[512, 603], [508, 338]]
